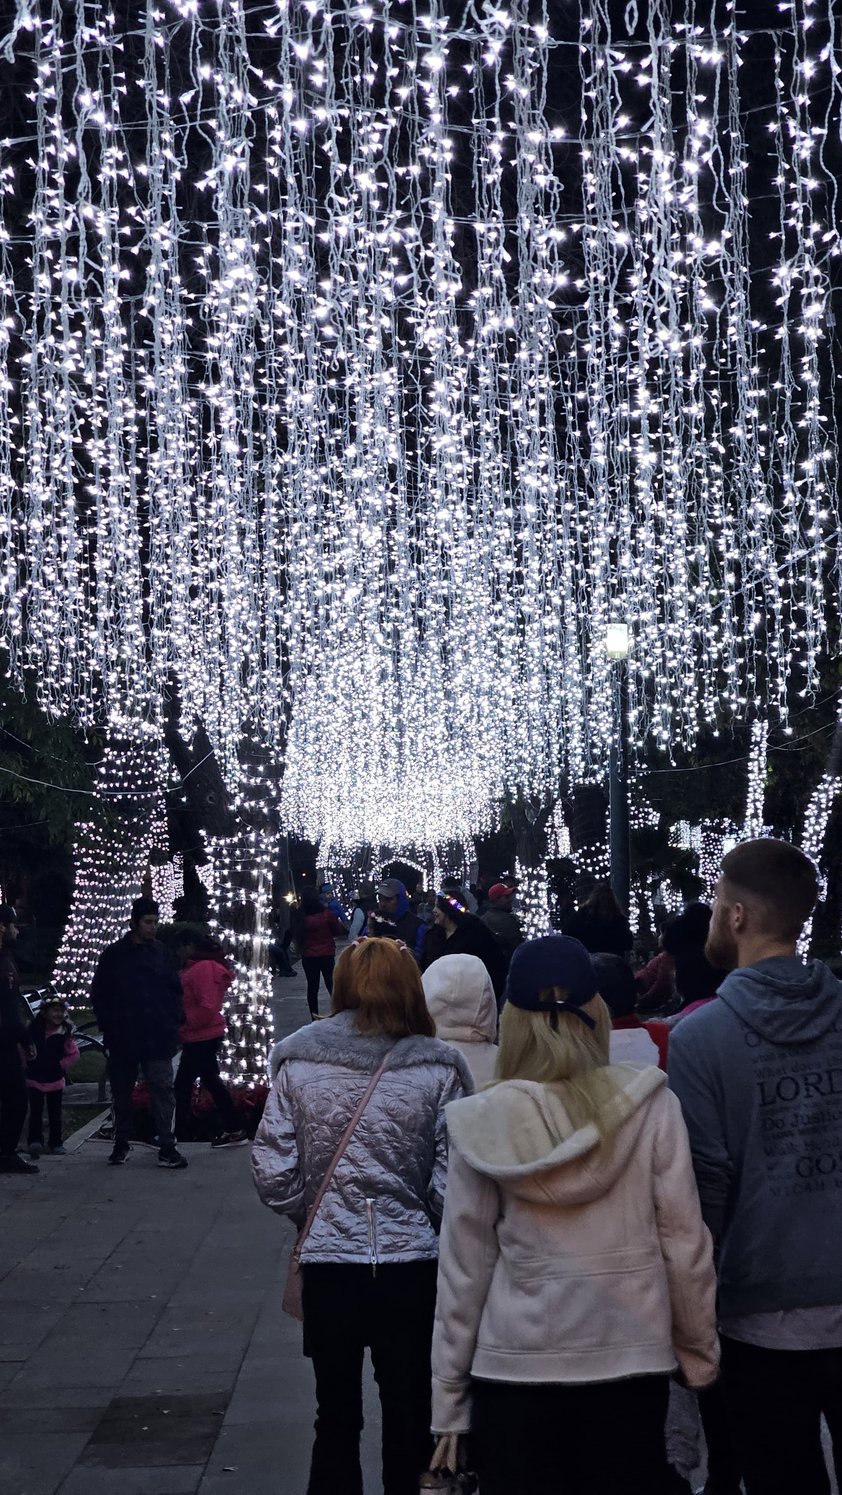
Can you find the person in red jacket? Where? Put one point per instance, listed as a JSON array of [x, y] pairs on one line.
[[314, 929], [205, 979]]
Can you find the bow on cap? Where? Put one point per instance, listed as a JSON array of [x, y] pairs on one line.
[[553, 961]]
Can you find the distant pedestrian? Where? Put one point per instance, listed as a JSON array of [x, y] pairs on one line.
[[15, 1049], [696, 980], [600, 924], [369, 1255], [632, 1041], [502, 921], [136, 998], [460, 999], [205, 980], [759, 1076], [455, 931], [314, 929], [575, 1271], [56, 1051], [363, 905], [392, 917]]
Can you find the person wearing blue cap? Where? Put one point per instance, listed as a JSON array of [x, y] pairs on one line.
[[575, 1272]]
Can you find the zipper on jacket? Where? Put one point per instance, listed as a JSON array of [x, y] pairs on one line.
[[370, 1207]]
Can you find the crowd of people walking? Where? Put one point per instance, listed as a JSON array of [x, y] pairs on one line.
[[637, 1221], [574, 1211]]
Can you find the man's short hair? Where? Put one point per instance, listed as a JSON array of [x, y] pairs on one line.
[[143, 906], [780, 877]]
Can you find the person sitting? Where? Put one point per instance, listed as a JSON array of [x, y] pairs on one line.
[[632, 1041], [460, 999], [575, 1272], [600, 924]]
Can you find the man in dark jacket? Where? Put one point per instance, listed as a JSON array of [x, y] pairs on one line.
[[393, 919], [498, 917], [136, 997], [759, 1077], [13, 1042]]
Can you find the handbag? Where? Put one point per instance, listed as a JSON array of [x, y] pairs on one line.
[[293, 1296]]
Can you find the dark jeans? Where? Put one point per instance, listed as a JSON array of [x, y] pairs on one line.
[[200, 1061], [347, 1308], [775, 1399], [36, 1115], [315, 966], [604, 1438], [122, 1073], [14, 1100]]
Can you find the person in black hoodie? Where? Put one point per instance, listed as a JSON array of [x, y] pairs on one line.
[[14, 1043], [136, 998], [759, 1077], [455, 931]]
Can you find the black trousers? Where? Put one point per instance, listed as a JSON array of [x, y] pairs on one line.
[[14, 1099], [775, 1400], [36, 1115], [122, 1073], [347, 1308], [604, 1438], [314, 967], [200, 1061]]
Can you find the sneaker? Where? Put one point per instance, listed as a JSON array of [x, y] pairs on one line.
[[58, 1152], [230, 1139], [120, 1153], [170, 1157], [36, 1149], [12, 1162]]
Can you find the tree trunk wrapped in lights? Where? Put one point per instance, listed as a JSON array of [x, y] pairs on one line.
[[112, 856]]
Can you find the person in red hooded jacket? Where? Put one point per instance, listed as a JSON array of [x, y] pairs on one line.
[[205, 979]]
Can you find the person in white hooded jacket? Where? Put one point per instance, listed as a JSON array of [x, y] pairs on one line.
[[460, 1000], [575, 1272]]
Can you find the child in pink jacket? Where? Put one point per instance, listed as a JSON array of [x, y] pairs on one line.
[[51, 1036], [205, 979]]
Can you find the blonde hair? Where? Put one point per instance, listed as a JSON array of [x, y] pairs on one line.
[[558, 1049], [379, 980]]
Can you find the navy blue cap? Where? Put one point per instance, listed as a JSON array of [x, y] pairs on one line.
[[552, 961]]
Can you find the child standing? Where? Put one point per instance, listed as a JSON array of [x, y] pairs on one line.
[[51, 1035]]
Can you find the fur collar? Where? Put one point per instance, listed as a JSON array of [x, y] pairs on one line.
[[335, 1040]]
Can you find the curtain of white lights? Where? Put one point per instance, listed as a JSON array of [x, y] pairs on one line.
[[362, 362]]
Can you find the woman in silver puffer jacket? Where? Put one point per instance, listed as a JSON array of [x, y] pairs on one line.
[[369, 1260]]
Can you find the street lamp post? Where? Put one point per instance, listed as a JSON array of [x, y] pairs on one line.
[[617, 648]]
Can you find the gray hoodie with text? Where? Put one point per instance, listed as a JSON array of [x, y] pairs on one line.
[[759, 1077]]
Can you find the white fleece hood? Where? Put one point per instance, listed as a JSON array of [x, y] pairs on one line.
[[518, 1134], [460, 999]]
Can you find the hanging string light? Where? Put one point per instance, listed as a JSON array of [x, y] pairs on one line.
[[333, 391]]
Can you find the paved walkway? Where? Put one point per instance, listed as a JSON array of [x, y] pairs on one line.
[[142, 1345]]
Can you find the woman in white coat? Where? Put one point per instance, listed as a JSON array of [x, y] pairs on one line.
[[460, 1000], [575, 1273]]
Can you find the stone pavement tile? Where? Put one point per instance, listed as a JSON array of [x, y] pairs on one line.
[[178, 1480], [124, 1325], [30, 1282], [35, 1464], [190, 1373], [51, 1419], [85, 1397], [99, 1365], [24, 1325], [259, 1458]]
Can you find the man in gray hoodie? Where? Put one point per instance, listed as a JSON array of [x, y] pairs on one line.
[[759, 1077]]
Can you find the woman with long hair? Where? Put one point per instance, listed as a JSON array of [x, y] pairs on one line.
[[575, 1272], [314, 930], [600, 924], [368, 1260]]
